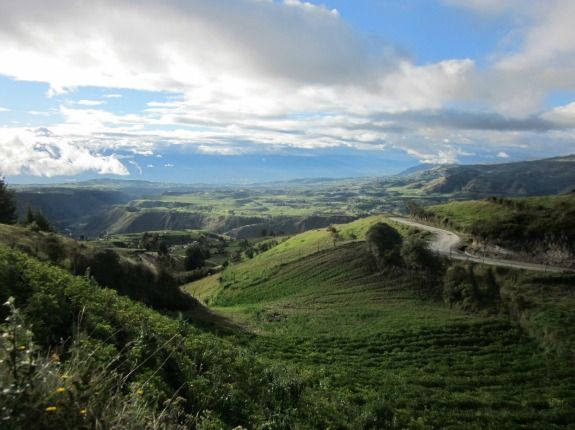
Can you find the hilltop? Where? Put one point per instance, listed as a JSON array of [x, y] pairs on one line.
[[524, 178], [540, 229]]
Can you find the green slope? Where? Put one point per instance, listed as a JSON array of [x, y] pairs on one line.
[[383, 335], [542, 228], [123, 365]]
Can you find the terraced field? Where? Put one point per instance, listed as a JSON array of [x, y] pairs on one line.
[[317, 304]]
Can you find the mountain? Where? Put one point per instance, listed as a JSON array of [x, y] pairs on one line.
[[524, 178], [420, 168]]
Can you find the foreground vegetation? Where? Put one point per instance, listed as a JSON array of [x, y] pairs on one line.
[[95, 359]]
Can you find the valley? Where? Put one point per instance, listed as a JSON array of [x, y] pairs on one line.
[[360, 304]]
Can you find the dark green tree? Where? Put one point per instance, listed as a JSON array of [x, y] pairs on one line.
[[37, 221], [163, 249], [7, 204], [384, 242], [42, 222], [195, 257], [417, 256]]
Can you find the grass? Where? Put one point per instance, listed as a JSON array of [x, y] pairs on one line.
[[466, 213], [384, 335]]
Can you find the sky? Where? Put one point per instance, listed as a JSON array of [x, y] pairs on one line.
[[221, 91]]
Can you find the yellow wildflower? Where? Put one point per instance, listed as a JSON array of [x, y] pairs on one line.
[[140, 392], [51, 409], [60, 389], [83, 412], [22, 347]]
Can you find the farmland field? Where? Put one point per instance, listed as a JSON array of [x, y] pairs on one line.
[[316, 303]]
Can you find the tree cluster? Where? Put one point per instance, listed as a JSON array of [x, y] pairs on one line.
[[37, 221], [8, 214]]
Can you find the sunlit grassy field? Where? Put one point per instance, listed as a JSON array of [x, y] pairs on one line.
[[316, 303]]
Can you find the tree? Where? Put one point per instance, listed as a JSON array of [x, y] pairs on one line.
[[417, 256], [42, 222], [7, 204], [163, 249], [195, 257], [37, 221], [384, 242]]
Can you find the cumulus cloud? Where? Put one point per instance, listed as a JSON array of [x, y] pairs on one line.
[[41, 153], [542, 61], [258, 75]]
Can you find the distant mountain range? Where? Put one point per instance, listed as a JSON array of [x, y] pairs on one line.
[[524, 178]]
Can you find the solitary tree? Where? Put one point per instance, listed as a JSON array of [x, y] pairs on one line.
[[384, 242], [7, 204], [417, 256], [195, 257]]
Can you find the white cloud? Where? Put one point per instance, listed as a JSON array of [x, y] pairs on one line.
[[90, 102], [261, 75], [541, 60], [3, 109], [562, 115], [42, 153], [502, 154]]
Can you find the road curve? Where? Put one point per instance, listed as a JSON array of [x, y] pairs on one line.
[[448, 244]]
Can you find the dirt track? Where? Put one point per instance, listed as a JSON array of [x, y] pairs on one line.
[[447, 243]]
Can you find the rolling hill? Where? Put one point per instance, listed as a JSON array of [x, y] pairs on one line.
[[541, 229], [316, 301], [525, 178]]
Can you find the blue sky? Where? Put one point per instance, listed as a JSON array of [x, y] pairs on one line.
[[255, 90]]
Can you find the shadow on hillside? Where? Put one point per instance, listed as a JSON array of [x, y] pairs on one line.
[[202, 317]]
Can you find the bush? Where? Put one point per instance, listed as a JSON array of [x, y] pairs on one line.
[[196, 257], [384, 242], [417, 256], [40, 391]]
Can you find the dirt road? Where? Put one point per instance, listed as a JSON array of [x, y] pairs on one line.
[[448, 243]]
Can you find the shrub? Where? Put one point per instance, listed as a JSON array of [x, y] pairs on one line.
[[384, 242], [417, 256]]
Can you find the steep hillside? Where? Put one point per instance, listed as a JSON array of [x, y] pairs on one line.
[[540, 228], [65, 206], [130, 219], [317, 301], [527, 178], [123, 365], [142, 276]]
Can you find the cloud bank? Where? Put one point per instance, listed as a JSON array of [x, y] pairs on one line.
[[262, 75]]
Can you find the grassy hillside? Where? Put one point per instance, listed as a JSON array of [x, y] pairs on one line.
[[118, 364], [318, 302], [526, 178], [142, 276], [541, 226]]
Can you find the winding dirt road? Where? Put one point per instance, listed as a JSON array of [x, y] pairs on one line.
[[448, 244]]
